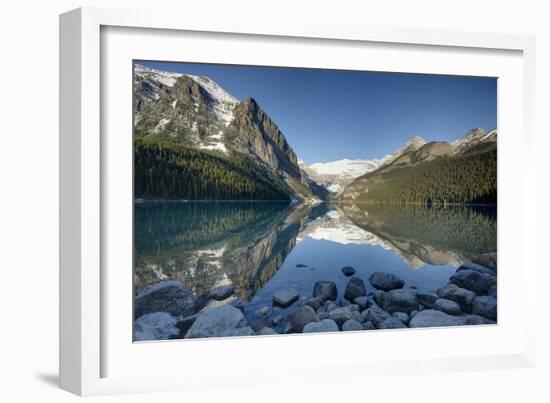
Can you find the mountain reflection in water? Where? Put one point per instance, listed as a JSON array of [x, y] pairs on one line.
[[256, 246]]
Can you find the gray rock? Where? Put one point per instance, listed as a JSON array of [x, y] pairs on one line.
[[326, 290], [221, 321], [344, 302], [471, 280], [485, 306], [488, 260], [385, 281], [320, 310], [492, 291], [332, 307], [348, 271], [447, 306], [222, 293], [368, 326], [392, 323], [411, 315], [286, 297], [378, 297], [478, 320], [315, 302], [323, 315], [477, 268], [376, 315], [276, 320], [185, 324], [427, 298], [401, 316], [155, 326], [167, 296], [302, 317], [355, 288], [362, 302], [328, 302], [340, 316], [351, 325], [399, 300], [302, 301], [353, 307], [357, 316], [266, 331], [433, 318], [238, 303], [325, 325], [212, 304], [461, 296]]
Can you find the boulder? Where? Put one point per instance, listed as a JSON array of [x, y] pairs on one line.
[[385, 281], [485, 306], [355, 288], [378, 297], [488, 260], [433, 318], [302, 317], [222, 292], [238, 303], [362, 302], [332, 307], [185, 324], [340, 316], [155, 326], [167, 296], [286, 297], [461, 296], [471, 280], [368, 326], [217, 322], [325, 325], [392, 323], [376, 315], [326, 290], [348, 271], [357, 316], [447, 306], [266, 331], [401, 316], [351, 325], [427, 298], [492, 291], [323, 315], [212, 304], [399, 300], [241, 331], [478, 268], [302, 301], [315, 302]]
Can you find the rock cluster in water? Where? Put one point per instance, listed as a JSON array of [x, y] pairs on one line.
[[168, 310]]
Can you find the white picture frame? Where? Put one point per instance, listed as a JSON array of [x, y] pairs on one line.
[[93, 348]]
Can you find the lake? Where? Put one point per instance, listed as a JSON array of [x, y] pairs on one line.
[[261, 247]]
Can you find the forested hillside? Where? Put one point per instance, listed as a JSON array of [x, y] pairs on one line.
[[465, 178], [173, 171]]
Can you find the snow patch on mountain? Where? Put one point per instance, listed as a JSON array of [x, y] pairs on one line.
[[223, 105]]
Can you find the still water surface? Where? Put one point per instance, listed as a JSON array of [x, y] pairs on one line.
[[262, 247]]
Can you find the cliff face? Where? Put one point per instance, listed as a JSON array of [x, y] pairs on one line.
[[196, 112]]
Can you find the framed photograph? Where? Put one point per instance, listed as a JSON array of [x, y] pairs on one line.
[[289, 197]]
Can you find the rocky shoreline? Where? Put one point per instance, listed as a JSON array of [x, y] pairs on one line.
[[167, 310]]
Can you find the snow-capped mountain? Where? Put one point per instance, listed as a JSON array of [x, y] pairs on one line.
[[336, 175], [197, 112], [472, 138]]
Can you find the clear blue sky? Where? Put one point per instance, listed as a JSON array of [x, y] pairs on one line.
[[328, 115]]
